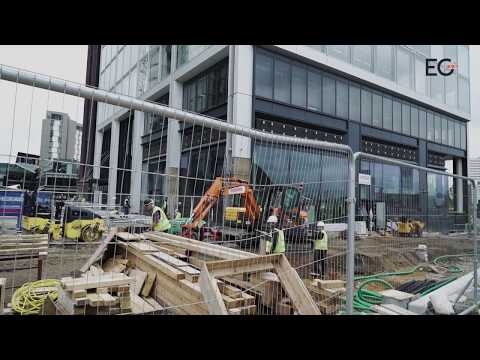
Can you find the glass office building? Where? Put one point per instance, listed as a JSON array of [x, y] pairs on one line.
[[375, 98]]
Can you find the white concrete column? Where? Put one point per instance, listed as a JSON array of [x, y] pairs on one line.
[[97, 157], [459, 187], [241, 107], [113, 164], [137, 155], [174, 139]]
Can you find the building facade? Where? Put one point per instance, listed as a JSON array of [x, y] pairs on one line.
[[61, 137], [60, 151], [375, 98]]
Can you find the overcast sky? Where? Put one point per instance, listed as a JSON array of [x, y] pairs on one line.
[[22, 117]]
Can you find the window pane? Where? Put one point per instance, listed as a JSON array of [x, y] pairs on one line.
[[457, 135], [342, 99], [422, 119], [414, 122], [264, 76], [397, 116], [314, 91], [328, 92], [299, 86], [384, 61], [362, 56], [437, 85], [387, 113], [354, 103], [444, 131], [463, 137], [420, 77], [282, 81], [366, 107], [430, 127], [406, 119], [451, 133], [338, 51], [451, 90], [438, 128], [463, 68], [464, 94], [403, 67], [377, 110]]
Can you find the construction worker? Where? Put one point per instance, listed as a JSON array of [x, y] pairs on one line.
[[178, 214], [159, 219], [126, 206], [276, 243], [320, 248]]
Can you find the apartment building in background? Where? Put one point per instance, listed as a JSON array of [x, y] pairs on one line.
[[374, 98], [60, 150]]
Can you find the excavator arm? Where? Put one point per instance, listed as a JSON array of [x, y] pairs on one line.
[[224, 187]]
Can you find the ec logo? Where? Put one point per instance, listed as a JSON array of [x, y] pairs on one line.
[[449, 66]]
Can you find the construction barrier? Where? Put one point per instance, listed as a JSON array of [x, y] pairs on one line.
[[259, 221]]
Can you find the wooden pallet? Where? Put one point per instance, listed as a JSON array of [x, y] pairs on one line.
[[25, 246]]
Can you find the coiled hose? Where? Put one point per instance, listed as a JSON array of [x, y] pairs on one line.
[[29, 298]]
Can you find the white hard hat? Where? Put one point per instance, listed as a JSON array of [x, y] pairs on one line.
[[320, 224], [272, 219]]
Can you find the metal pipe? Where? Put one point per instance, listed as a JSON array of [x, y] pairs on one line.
[[70, 88], [475, 243], [350, 261]]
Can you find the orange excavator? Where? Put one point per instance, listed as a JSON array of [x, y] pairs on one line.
[[223, 187], [286, 202]]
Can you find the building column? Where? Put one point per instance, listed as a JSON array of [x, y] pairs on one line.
[[459, 187], [137, 157], [240, 105], [113, 164], [174, 140], [97, 155]]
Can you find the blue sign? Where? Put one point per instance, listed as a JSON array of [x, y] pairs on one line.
[[11, 204]]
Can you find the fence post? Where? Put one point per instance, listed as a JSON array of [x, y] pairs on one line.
[[350, 264], [475, 245]]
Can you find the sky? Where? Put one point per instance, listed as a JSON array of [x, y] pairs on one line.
[[22, 109]]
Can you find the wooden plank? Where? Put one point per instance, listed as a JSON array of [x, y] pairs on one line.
[[147, 286], [24, 238], [77, 294], [23, 245], [108, 300], [91, 282], [140, 306], [144, 246], [230, 290], [139, 277], [329, 284], [100, 250], [151, 301], [129, 237], [3, 285], [230, 267], [169, 259], [213, 250], [166, 268], [295, 288], [24, 251], [211, 293], [191, 274], [244, 310]]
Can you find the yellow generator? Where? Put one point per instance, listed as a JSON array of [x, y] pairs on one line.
[[40, 225], [411, 228], [78, 224], [82, 223], [235, 214]]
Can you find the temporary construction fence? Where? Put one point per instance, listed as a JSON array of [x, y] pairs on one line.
[[219, 183]]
